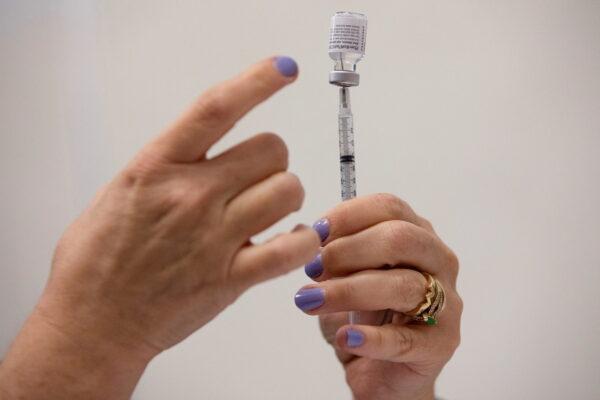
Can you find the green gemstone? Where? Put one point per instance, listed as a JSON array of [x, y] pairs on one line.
[[431, 321]]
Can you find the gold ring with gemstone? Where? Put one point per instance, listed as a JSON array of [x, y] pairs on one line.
[[432, 305]]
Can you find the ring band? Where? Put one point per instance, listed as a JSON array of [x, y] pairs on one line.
[[435, 300]]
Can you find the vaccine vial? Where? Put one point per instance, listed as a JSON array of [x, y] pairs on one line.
[[347, 40]]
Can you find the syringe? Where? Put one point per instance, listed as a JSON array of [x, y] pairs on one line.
[[346, 138], [346, 47]]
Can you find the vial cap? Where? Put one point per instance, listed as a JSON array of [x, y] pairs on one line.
[[344, 78]]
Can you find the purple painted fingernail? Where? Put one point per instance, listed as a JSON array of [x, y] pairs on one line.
[[354, 338], [309, 299], [314, 268], [322, 228], [286, 66]]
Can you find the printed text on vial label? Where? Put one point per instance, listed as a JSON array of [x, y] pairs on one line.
[[347, 37]]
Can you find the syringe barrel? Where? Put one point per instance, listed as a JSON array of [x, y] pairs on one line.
[[346, 138]]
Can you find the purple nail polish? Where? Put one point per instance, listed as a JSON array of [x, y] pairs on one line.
[[322, 228], [314, 268], [309, 299], [286, 66], [354, 338]]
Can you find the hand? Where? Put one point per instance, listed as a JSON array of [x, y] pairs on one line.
[[164, 248], [397, 359]]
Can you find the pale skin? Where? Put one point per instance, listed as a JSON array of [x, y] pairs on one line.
[[165, 246], [398, 359]]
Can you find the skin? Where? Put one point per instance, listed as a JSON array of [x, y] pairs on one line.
[[163, 248], [399, 358]]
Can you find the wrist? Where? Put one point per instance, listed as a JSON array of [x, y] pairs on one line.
[[53, 361], [422, 393], [428, 393], [428, 396]]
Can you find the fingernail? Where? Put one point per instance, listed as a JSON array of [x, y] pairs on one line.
[[322, 228], [309, 299], [286, 66], [314, 268], [354, 338]]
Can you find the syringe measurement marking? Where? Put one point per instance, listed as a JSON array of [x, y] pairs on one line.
[[346, 138]]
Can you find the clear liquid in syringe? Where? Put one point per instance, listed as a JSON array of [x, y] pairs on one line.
[[346, 139]]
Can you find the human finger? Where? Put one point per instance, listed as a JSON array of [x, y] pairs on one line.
[[219, 108], [249, 162], [354, 215], [263, 204], [389, 243], [257, 263], [400, 290], [398, 343], [329, 324]]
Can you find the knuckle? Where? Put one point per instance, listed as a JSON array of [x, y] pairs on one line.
[[142, 169], [329, 324], [400, 291], [453, 339], [403, 343], [426, 223], [194, 198], [407, 290], [451, 345], [348, 291], [331, 257], [291, 189], [456, 342], [180, 195], [279, 254], [367, 384], [172, 198], [459, 304], [393, 205], [262, 82], [398, 234], [209, 190], [211, 107], [131, 176], [378, 339], [274, 145], [452, 261]]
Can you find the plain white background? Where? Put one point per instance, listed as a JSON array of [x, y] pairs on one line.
[[484, 115]]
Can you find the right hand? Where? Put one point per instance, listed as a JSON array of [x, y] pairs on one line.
[[376, 251], [166, 246]]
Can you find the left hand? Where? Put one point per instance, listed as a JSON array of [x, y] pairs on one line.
[[163, 248], [399, 359]]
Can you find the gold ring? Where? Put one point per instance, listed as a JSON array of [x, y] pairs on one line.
[[435, 300]]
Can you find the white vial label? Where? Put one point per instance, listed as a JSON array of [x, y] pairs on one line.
[[348, 33]]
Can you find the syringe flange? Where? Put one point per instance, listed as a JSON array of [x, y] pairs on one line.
[[344, 78]]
